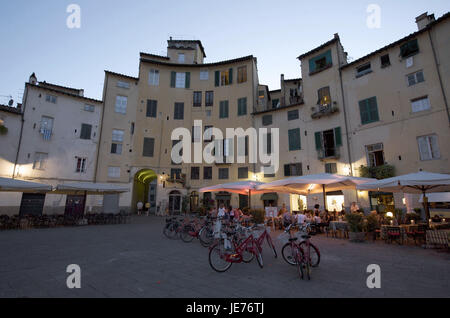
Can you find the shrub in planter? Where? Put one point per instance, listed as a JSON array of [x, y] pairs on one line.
[[371, 225], [356, 226]]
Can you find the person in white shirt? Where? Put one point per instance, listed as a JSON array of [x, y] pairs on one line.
[[140, 206], [301, 218], [354, 207], [221, 213]]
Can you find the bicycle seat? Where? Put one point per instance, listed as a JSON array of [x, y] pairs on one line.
[[293, 239], [306, 236]]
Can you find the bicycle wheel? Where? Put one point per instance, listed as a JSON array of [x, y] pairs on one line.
[[247, 255], [272, 246], [165, 230], [172, 231], [259, 257], [314, 254], [184, 234], [297, 255], [288, 255], [206, 236], [217, 260]]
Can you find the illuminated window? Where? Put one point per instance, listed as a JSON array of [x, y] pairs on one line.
[[324, 96], [242, 74]]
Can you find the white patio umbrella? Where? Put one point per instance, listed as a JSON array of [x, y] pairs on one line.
[[317, 183], [91, 188], [243, 187], [14, 185], [421, 182]]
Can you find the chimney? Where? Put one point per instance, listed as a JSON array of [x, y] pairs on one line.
[[283, 92], [423, 20], [33, 79], [81, 92]]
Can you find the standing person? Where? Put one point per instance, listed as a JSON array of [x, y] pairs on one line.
[[140, 206], [316, 209], [231, 213], [301, 218], [222, 212]]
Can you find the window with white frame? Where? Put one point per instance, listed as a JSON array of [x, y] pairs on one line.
[[204, 75], [46, 125], [123, 84], [180, 81], [40, 160], [81, 165], [420, 104], [121, 104], [50, 98], [114, 172], [428, 147], [415, 78], [153, 77], [117, 140], [181, 58], [89, 108]]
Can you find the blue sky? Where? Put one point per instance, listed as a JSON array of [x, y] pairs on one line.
[[35, 37]]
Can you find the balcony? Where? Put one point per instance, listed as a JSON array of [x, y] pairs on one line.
[[329, 153], [324, 110], [293, 100]]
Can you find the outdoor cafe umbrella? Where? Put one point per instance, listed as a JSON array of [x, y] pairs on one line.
[[421, 182], [14, 185], [243, 187], [317, 183]]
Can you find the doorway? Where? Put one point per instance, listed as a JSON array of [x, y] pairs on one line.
[[145, 189], [32, 204], [175, 202], [75, 206], [329, 144]]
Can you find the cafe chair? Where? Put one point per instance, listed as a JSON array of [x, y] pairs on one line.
[[393, 234]]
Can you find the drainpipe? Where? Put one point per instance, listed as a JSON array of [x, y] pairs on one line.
[[22, 115], [101, 128], [439, 75], [344, 110]]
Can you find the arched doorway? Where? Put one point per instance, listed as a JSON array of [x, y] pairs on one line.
[[175, 202], [223, 198], [194, 201], [144, 189]]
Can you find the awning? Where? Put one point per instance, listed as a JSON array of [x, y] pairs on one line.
[[269, 197], [437, 197], [92, 188], [14, 185]]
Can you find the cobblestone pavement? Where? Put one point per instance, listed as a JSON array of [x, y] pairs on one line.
[[136, 260]]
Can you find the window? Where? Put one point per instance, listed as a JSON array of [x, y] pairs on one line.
[[149, 144], [207, 136], [294, 140], [180, 80], [243, 173], [50, 99], [242, 146], [122, 84], [208, 113], [195, 173], [89, 108], [420, 104], [385, 61], [293, 170], [363, 70], [223, 173], [242, 74], [197, 99], [331, 168], [223, 78], [117, 140], [81, 165], [242, 106], [114, 172], [121, 104], [181, 58], [324, 96], [152, 106], [204, 75], [267, 120], [153, 77], [415, 78], [223, 109], [293, 115], [180, 153], [196, 134], [261, 94], [207, 173], [209, 98], [267, 147], [428, 147], [375, 155], [369, 110], [179, 111], [275, 103], [327, 142], [269, 175], [40, 160], [86, 131], [175, 174], [320, 62], [409, 49], [46, 128]]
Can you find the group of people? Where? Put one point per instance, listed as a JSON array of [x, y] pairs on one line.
[[227, 213]]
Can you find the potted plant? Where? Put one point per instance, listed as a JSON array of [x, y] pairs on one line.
[[356, 226], [3, 130], [371, 225]]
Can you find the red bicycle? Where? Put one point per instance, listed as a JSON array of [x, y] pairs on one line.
[[260, 242]]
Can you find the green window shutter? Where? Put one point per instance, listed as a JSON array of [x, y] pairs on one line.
[[294, 139], [318, 136], [369, 110], [287, 170], [188, 79], [373, 109], [217, 76], [338, 137], [173, 76], [231, 76]]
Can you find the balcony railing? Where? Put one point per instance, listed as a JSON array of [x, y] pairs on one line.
[[324, 110], [295, 100], [329, 153]]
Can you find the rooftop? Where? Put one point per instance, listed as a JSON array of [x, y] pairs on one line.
[[171, 44], [9, 109], [241, 59]]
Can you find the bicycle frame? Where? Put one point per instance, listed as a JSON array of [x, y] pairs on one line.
[[239, 250]]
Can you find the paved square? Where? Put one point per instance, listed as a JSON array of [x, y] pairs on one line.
[[136, 260]]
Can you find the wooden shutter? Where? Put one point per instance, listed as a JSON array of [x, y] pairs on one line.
[[188, 79], [338, 137], [287, 170], [217, 78], [173, 77], [373, 109], [230, 74], [318, 137], [363, 109]]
